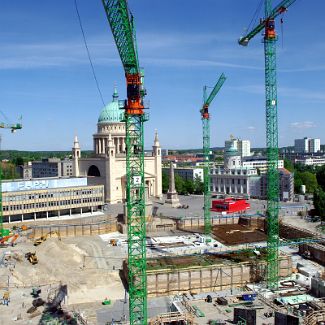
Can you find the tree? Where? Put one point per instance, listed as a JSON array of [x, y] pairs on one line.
[[8, 170], [189, 186], [288, 165], [18, 161], [320, 175], [306, 178], [298, 182], [165, 182], [319, 202], [198, 186], [179, 184], [309, 179]]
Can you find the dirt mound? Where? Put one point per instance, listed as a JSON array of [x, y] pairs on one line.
[[65, 262]]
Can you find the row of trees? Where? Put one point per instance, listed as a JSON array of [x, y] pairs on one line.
[[314, 179], [20, 157], [319, 193], [303, 175], [183, 186]]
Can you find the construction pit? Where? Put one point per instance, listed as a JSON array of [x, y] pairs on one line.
[[94, 270], [238, 234], [207, 272]]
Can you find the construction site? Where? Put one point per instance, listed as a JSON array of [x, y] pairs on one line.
[[75, 272], [129, 264]]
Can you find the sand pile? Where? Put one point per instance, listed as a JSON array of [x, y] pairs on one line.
[[62, 262]]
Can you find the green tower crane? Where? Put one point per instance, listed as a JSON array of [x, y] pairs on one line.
[[272, 213], [13, 128], [206, 149], [123, 30]]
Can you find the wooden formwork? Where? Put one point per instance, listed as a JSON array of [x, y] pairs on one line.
[[217, 277], [173, 317], [73, 230], [315, 317]]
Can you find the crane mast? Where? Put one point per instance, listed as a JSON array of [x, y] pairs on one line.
[[13, 128], [206, 150], [272, 151], [123, 30]]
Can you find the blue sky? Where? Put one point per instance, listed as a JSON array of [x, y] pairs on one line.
[[183, 45]]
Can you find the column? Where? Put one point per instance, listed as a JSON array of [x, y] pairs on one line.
[[123, 144], [99, 146], [22, 217], [59, 213], [116, 145], [69, 212], [91, 210], [103, 145], [34, 216], [9, 219], [47, 214], [81, 211]]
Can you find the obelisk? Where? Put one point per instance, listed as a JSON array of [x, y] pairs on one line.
[[172, 197]]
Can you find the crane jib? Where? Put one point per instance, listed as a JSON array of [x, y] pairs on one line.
[[123, 30], [279, 9]]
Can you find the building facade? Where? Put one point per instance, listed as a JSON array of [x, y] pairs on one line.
[[108, 164], [233, 182], [260, 163], [307, 145], [242, 146], [311, 161], [187, 173], [49, 197], [238, 180], [49, 167]]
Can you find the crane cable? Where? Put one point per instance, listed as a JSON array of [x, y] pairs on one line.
[[88, 54], [255, 15]]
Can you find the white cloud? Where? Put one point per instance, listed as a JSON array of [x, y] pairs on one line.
[[251, 128], [303, 125]]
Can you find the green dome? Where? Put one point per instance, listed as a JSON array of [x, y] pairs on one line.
[[111, 113], [232, 151]]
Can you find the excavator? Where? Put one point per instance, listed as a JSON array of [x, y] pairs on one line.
[[4, 241], [40, 240]]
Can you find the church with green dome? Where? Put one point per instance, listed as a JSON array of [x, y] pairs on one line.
[[107, 166], [112, 112]]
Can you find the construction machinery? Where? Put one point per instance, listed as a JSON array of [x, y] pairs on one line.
[[10, 239], [122, 26], [32, 258], [207, 100], [6, 298], [13, 128], [40, 240], [113, 242], [270, 38]]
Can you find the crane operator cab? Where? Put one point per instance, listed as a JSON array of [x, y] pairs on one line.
[[205, 112], [270, 29]]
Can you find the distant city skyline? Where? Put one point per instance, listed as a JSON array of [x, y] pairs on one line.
[[46, 77]]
